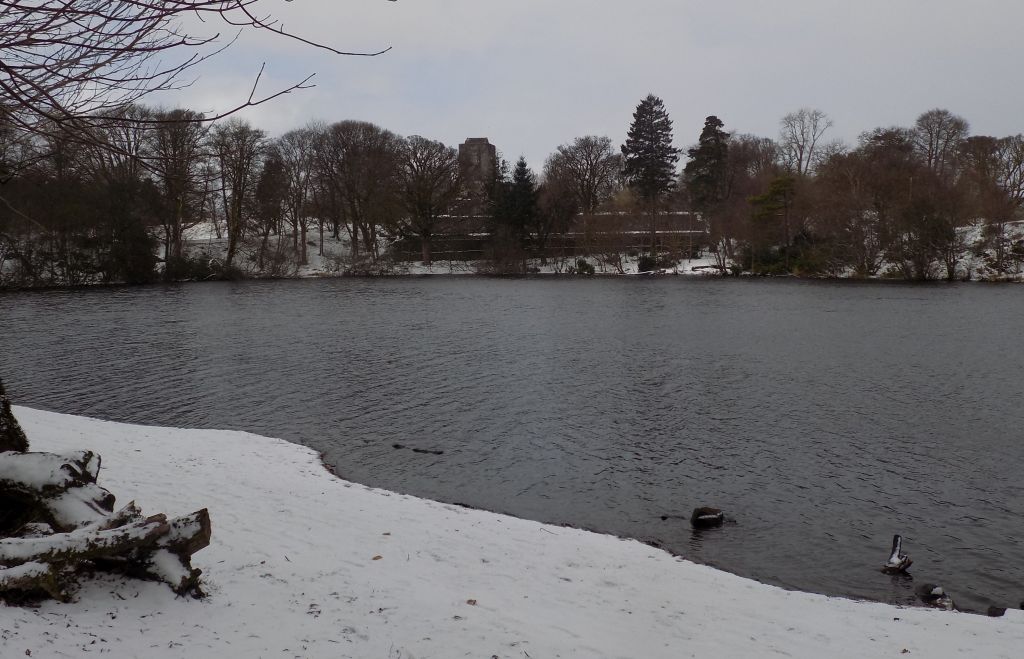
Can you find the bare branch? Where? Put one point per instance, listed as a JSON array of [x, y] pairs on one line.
[[69, 63]]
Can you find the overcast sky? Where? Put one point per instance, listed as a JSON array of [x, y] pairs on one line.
[[533, 74]]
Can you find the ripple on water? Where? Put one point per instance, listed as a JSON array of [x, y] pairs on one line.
[[823, 417]]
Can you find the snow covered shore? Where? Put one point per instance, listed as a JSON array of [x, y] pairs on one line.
[[306, 565]]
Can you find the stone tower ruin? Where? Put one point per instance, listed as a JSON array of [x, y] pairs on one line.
[[478, 163]]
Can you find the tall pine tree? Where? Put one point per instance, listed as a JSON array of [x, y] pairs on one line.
[[514, 209], [649, 159], [706, 175], [522, 201]]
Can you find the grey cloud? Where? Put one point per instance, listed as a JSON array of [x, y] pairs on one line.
[[532, 74]]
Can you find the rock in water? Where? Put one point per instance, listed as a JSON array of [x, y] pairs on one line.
[[706, 518], [12, 437]]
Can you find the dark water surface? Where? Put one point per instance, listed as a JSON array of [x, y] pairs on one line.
[[824, 417]]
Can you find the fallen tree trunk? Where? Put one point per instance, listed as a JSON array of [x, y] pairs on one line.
[[172, 561], [47, 474], [57, 520], [169, 559], [82, 544], [188, 534], [33, 577], [152, 548], [59, 490]]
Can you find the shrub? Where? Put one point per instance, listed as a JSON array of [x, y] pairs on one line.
[[647, 263], [584, 267], [200, 268]]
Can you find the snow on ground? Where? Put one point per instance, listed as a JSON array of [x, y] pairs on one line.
[[705, 265], [306, 565], [975, 260], [201, 241]]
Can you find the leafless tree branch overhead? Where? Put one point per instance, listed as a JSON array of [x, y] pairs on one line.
[[72, 61]]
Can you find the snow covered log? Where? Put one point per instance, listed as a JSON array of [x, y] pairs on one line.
[[172, 561], [175, 571], [87, 504], [153, 548], [169, 559], [33, 577], [82, 544], [59, 490], [56, 521], [187, 534], [47, 473]]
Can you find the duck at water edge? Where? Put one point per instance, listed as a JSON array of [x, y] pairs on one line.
[[934, 596], [898, 561]]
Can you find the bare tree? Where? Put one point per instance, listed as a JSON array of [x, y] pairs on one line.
[[13, 144], [993, 171], [296, 150], [590, 171], [430, 183], [799, 139], [367, 162], [1011, 167], [268, 214], [66, 63], [937, 137], [751, 163], [557, 208], [237, 147], [117, 148], [591, 168], [177, 156], [68, 68], [326, 194], [49, 252]]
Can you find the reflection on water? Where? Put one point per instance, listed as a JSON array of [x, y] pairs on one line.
[[823, 417]]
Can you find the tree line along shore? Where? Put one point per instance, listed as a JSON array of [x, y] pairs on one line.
[[148, 195]]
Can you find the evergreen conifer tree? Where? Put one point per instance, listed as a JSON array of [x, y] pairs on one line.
[[775, 207], [514, 208], [522, 200], [12, 438], [649, 159], [706, 174]]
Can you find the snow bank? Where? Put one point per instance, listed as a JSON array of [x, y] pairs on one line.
[[306, 565]]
